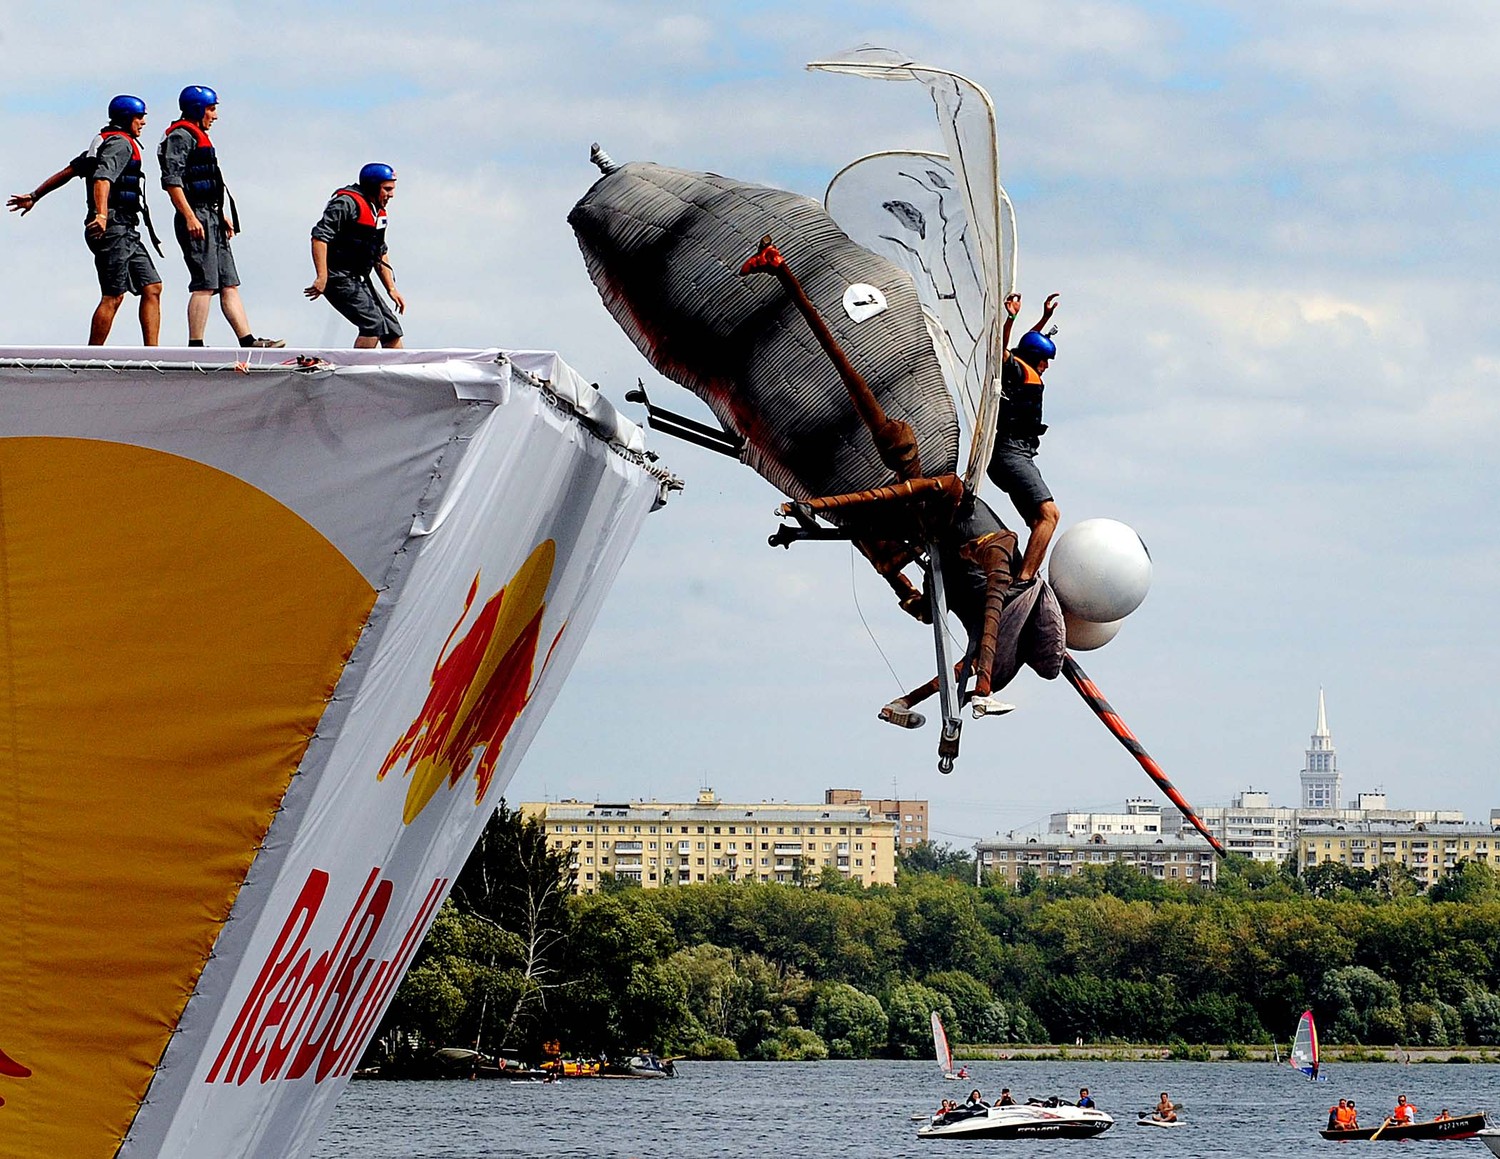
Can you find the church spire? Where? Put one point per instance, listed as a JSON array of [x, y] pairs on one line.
[[1322, 785]]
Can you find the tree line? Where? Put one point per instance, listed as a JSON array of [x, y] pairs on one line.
[[830, 968]]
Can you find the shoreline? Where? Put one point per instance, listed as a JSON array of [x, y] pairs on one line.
[[1141, 1052]]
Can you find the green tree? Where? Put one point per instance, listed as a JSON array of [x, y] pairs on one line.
[[929, 857], [1467, 883], [1357, 1005], [909, 1008], [851, 1022]]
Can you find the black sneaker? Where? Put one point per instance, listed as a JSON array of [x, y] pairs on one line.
[[268, 343]]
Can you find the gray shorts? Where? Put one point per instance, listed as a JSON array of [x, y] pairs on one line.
[[209, 261], [121, 260], [355, 299], [1013, 469]]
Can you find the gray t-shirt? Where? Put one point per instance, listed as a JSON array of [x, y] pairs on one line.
[[108, 157], [173, 153], [339, 213]]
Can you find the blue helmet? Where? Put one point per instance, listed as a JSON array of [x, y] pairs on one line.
[[374, 173], [194, 99], [1035, 346], [123, 108]]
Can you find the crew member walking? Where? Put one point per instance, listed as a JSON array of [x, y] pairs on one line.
[[115, 200], [348, 244], [191, 177]]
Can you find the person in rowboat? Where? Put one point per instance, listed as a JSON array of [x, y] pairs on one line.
[[1353, 1123], [1165, 1111], [1403, 1113]]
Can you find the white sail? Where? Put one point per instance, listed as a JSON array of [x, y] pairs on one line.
[[940, 1047], [948, 222], [1305, 1046]]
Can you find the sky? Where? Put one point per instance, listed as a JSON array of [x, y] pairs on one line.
[[1273, 229]]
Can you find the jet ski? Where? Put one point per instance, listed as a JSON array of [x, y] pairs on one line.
[[1037, 1118]]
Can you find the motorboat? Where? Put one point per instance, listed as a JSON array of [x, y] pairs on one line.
[[1038, 1118], [1458, 1127], [1490, 1136]]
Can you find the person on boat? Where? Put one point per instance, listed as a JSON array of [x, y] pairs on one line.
[[1018, 433], [1441, 1115], [191, 178], [1166, 1111], [348, 245], [114, 193], [1338, 1115], [1084, 1098], [1353, 1123], [1005, 1099], [975, 1099], [1404, 1112]]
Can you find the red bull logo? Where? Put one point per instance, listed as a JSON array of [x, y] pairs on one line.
[[479, 688], [10, 1068]]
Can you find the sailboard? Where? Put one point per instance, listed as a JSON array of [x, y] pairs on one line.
[[940, 1048], [1304, 1056]]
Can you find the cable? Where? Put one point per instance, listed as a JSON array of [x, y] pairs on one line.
[[854, 591]]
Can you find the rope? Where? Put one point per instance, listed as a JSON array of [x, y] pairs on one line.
[[854, 591]]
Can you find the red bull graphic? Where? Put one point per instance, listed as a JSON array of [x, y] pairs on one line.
[[478, 689], [310, 1011], [10, 1068]]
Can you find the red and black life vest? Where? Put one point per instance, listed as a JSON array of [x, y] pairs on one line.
[[1021, 402], [126, 192], [357, 247], [202, 182]]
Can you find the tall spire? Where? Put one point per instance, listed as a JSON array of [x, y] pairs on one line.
[[1322, 786]]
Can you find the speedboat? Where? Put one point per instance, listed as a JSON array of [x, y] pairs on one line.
[[1491, 1139], [1050, 1118]]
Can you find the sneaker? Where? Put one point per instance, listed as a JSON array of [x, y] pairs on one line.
[[983, 706], [268, 343], [897, 713]]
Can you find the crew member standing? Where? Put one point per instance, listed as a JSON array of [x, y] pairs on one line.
[[114, 191], [348, 244], [190, 175], [1019, 431]]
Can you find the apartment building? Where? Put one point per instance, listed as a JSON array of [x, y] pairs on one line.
[[657, 844], [909, 816], [1428, 849], [1173, 857]]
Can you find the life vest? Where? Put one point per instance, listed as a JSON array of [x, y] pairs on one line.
[[1404, 1113], [126, 192], [1020, 401], [1344, 1117], [357, 247], [202, 182]]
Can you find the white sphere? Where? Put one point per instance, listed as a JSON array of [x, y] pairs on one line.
[[1085, 635], [1100, 570]]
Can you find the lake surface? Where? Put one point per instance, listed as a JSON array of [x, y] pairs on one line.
[[813, 1110]]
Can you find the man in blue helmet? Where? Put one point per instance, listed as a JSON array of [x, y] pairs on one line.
[[1012, 465], [191, 177], [348, 244], [116, 201]]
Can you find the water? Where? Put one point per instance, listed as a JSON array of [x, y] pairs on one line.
[[820, 1110]]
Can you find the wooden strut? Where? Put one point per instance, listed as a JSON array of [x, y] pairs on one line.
[[1087, 689], [895, 442]]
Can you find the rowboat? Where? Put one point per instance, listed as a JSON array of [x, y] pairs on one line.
[[1458, 1127]]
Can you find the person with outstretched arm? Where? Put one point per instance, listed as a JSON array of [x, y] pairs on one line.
[[348, 245], [115, 201], [1019, 429]]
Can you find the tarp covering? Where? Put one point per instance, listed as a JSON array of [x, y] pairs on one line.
[[665, 247], [275, 640]]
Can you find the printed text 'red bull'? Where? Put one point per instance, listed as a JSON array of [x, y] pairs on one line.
[[308, 1006]]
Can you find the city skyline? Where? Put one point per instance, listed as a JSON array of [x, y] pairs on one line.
[[1271, 228]]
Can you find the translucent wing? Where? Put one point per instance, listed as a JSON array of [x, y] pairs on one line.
[[974, 246]]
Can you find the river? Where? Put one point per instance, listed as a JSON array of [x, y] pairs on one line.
[[818, 1110]]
